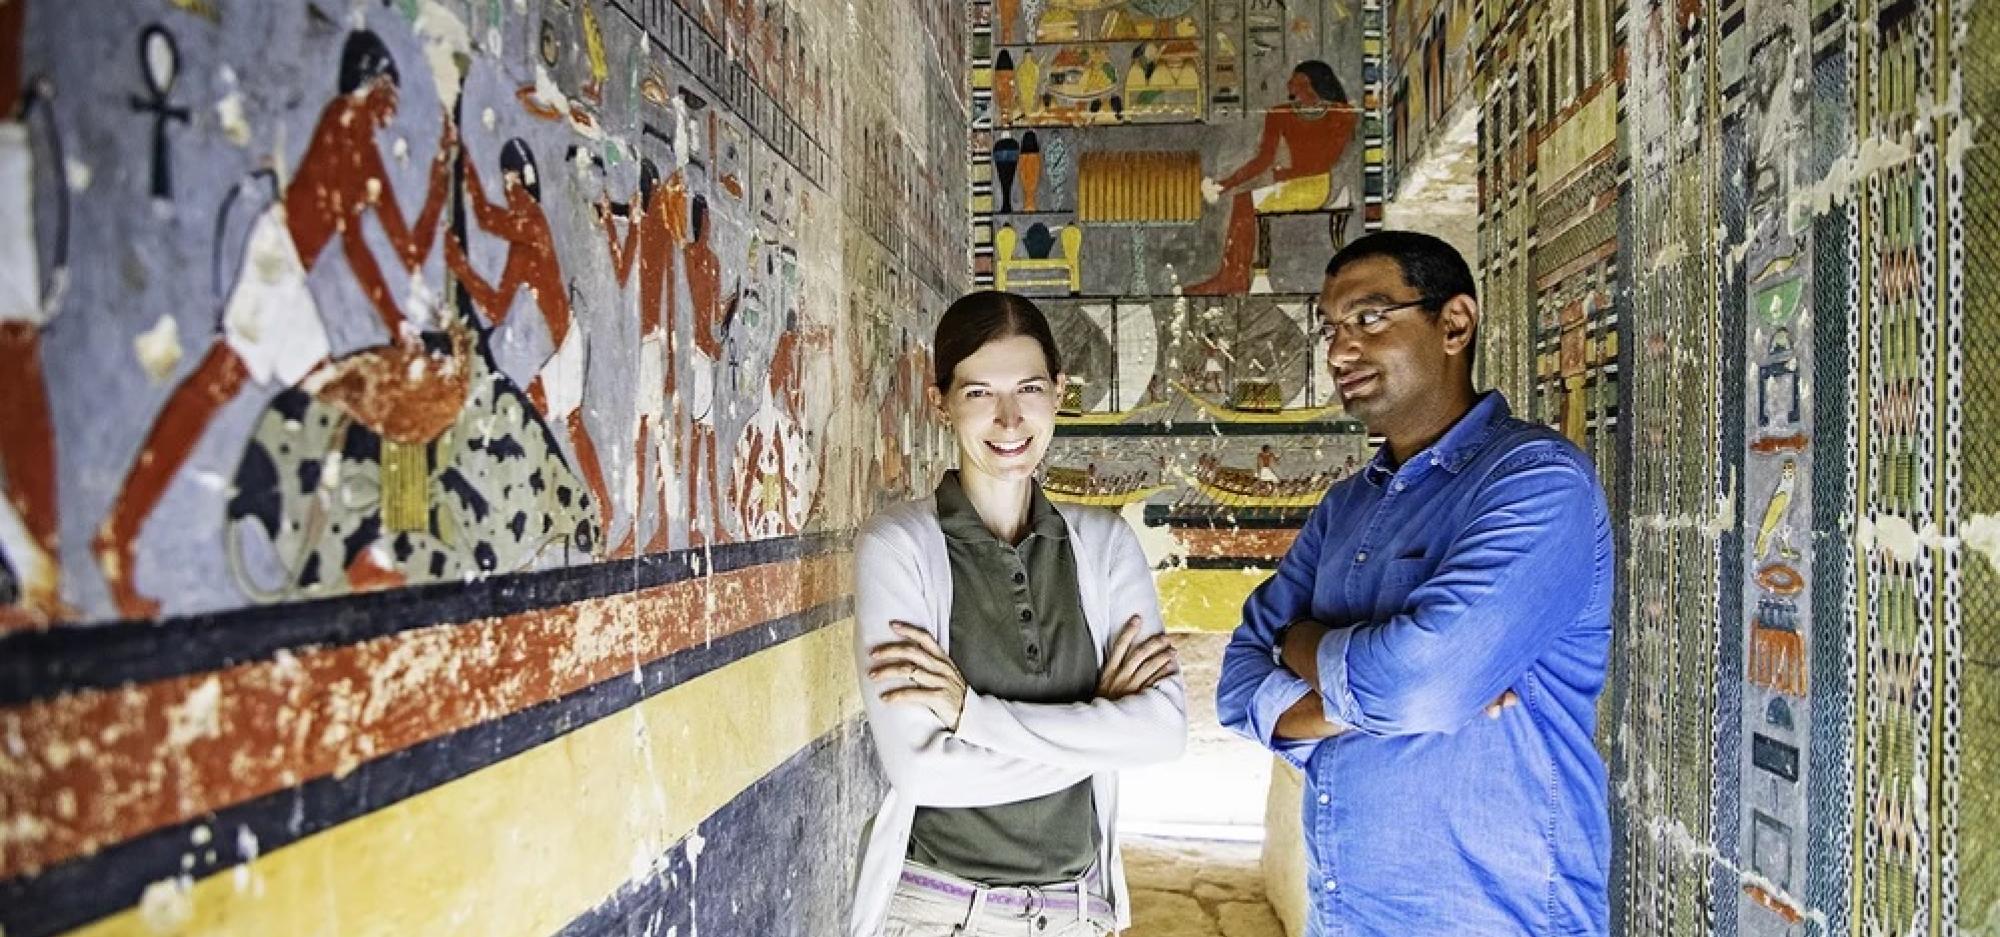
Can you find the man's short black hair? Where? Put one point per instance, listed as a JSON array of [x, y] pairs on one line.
[[1433, 268]]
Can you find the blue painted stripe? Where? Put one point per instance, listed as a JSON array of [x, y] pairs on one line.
[[778, 859]]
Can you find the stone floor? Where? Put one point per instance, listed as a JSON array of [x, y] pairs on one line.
[[1197, 888], [1211, 886]]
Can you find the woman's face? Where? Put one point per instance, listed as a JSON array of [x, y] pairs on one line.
[[1002, 408]]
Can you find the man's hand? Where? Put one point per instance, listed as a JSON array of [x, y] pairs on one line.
[[1299, 648], [1305, 720], [1130, 668], [934, 681], [1509, 698]]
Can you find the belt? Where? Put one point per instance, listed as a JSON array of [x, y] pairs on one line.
[[1025, 900]]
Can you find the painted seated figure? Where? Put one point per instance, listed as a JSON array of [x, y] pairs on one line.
[[1314, 127]]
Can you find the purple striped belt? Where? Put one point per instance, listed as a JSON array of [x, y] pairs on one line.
[[1027, 899]]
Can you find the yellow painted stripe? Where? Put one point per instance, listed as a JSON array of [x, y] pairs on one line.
[[564, 824], [1206, 599]]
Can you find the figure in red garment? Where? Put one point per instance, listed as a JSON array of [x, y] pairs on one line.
[[557, 389], [771, 457], [704, 278], [1314, 127], [272, 331], [28, 508], [655, 229]]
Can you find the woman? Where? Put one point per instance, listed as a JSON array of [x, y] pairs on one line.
[[1012, 660]]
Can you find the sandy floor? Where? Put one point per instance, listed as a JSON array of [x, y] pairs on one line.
[[1197, 888]]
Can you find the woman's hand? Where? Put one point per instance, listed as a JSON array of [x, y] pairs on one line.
[[934, 681], [1130, 668]]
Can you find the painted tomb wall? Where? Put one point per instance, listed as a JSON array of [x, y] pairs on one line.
[[429, 432], [1168, 180]]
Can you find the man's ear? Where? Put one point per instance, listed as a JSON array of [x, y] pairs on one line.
[[1460, 318]]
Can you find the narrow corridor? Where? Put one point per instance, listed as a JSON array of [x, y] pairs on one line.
[[1195, 866]]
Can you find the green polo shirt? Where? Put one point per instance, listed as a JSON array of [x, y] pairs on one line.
[[1018, 634]]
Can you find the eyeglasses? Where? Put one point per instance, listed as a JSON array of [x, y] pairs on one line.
[[1367, 320]]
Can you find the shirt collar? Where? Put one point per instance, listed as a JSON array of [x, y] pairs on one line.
[[960, 520], [1454, 449]]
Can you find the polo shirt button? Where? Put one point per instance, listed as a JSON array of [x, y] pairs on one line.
[[1020, 577], [1034, 651], [1400, 484], [1325, 799], [1027, 615]]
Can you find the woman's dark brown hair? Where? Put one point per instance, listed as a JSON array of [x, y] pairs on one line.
[[985, 316]]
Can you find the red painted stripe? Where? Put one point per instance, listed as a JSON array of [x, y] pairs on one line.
[[89, 769]]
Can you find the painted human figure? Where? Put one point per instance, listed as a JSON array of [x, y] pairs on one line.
[[1314, 127], [532, 265], [272, 331], [655, 229], [704, 279], [1213, 351], [1267, 465], [773, 464], [28, 508], [892, 422]]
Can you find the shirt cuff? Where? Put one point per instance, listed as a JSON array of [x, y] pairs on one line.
[[1280, 689], [1337, 701], [970, 714]]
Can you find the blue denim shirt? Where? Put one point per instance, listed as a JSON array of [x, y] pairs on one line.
[[1481, 564]]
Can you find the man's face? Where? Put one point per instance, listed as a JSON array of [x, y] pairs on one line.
[[1389, 371]]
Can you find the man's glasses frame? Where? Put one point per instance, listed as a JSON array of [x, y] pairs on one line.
[[1367, 320]]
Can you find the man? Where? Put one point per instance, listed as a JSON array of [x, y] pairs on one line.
[[1314, 125], [1431, 648]]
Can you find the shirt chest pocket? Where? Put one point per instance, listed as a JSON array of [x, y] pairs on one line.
[[1400, 578]]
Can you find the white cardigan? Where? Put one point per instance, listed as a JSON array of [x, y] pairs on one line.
[[1003, 751]]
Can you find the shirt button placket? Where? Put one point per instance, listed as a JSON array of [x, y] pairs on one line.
[[1329, 854]]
